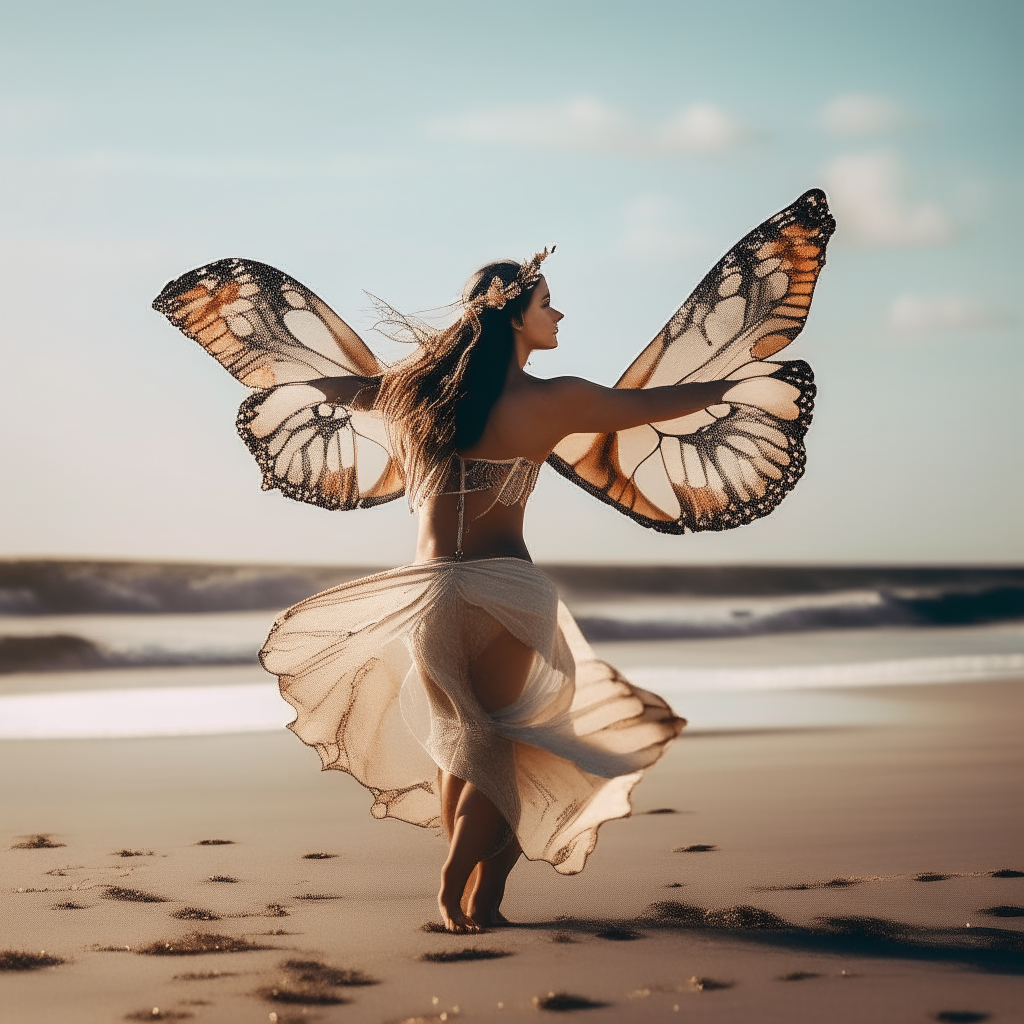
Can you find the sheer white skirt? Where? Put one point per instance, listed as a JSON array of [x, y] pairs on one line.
[[378, 673]]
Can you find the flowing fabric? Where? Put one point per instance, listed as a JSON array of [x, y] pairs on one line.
[[378, 673]]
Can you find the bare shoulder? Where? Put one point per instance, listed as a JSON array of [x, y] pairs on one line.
[[562, 389]]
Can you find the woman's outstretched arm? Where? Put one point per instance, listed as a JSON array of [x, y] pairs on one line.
[[576, 406]]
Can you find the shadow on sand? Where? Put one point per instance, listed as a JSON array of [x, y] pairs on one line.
[[992, 950]]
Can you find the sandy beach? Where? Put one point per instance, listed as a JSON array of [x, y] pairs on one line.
[[793, 873]]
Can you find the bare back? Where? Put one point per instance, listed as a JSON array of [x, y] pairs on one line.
[[529, 418]]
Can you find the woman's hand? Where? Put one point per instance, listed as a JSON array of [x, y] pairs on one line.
[[355, 392]]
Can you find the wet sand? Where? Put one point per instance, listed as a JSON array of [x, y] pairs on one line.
[[797, 872]]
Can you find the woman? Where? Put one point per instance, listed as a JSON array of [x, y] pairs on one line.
[[458, 689]]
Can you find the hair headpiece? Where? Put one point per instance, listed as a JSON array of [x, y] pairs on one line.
[[498, 293]]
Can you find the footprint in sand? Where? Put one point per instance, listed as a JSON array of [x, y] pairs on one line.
[[196, 943], [41, 841], [618, 933], [565, 1001], [117, 892], [155, 1013], [195, 914], [1003, 911], [20, 960], [463, 955], [312, 983]]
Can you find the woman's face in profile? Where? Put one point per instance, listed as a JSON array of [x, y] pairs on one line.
[[540, 321]]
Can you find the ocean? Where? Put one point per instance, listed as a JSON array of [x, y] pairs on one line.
[[129, 649]]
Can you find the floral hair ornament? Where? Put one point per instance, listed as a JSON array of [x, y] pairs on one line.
[[426, 328], [498, 293]]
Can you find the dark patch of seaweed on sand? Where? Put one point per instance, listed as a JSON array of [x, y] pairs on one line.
[[222, 878], [319, 856], [696, 848], [40, 841], [133, 853], [320, 896], [463, 955], [1007, 873], [22, 960], [961, 1016], [118, 892], [69, 905], [798, 976], [198, 943], [565, 1001], [216, 842]]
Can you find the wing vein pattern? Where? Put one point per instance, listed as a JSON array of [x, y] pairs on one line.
[[279, 338], [732, 463]]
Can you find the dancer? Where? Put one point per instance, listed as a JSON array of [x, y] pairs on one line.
[[458, 690]]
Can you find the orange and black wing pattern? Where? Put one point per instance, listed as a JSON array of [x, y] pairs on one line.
[[276, 336], [731, 463]]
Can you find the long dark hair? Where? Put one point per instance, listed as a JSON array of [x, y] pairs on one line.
[[439, 402]]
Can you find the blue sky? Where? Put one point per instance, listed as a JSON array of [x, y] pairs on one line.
[[396, 146]]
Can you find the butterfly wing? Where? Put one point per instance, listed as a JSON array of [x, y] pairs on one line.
[[317, 451], [275, 335], [731, 463], [263, 326]]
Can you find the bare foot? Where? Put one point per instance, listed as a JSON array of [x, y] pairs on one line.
[[453, 917], [490, 918]]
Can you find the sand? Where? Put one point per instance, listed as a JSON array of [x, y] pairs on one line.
[[912, 811]]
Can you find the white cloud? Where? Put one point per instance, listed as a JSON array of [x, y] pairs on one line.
[[914, 314], [651, 229], [859, 115], [586, 124], [865, 193], [700, 128]]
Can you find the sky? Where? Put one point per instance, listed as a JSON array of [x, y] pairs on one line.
[[396, 146]]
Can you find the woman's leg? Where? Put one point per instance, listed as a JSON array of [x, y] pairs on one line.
[[487, 886], [476, 828], [473, 877]]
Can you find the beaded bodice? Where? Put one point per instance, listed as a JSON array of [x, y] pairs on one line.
[[511, 480]]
